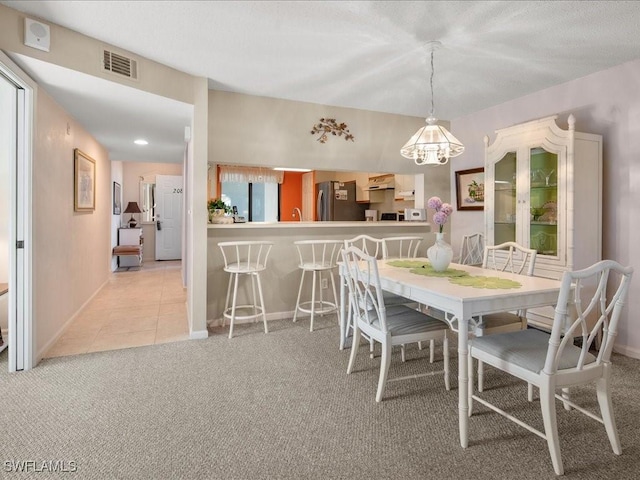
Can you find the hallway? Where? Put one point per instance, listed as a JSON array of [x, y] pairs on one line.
[[134, 308]]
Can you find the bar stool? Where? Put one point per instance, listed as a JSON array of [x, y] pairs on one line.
[[317, 257], [244, 258]]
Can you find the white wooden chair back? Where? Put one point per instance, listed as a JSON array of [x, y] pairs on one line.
[[318, 254], [607, 310], [401, 247], [472, 249], [510, 257], [369, 245], [363, 282], [245, 256]]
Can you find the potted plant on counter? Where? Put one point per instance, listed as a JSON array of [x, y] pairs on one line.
[[217, 210]]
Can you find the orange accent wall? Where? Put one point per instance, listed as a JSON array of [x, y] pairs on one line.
[[290, 196]]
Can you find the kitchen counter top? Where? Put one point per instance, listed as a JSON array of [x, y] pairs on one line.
[[280, 225]]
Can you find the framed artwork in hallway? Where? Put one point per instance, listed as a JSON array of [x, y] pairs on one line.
[[117, 199], [84, 182]]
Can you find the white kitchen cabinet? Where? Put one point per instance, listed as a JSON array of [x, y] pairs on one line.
[[405, 187], [543, 190], [362, 180]]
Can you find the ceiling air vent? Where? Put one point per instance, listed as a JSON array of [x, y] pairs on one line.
[[121, 65]]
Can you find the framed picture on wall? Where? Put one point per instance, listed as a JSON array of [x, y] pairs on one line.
[[84, 182], [117, 199], [470, 189]]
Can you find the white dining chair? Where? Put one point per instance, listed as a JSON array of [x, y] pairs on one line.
[[403, 247], [472, 249], [385, 248], [370, 245], [551, 361], [388, 325], [374, 247], [506, 257]]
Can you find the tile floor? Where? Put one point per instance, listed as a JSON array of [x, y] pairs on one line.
[[135, 308]]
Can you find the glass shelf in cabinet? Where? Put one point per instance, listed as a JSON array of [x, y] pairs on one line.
[[551, 253]]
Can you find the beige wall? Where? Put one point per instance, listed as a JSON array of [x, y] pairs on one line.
[[84, 54], [250, 130], [7, 92], [6, 139], [196, 215], [71, 251], [133, 174]]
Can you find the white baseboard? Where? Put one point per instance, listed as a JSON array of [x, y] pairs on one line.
[[627, 351], [67, 324], [198, 335]]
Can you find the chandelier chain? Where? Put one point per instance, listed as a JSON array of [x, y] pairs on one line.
[[431, 82]]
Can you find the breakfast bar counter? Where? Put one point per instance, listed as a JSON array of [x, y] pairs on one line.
[[406, 227], [281, 279]]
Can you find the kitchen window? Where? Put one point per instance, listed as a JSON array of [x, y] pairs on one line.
[[257, 202]]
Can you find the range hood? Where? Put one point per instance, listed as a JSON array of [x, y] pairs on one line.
[[382, 182]]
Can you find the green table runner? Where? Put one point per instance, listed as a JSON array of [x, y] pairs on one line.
[[459, 277]]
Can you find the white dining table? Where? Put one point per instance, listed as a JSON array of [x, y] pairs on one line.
[[459, 302]]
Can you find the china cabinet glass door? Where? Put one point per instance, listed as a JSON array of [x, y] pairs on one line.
[[504, 202], [543, 201]]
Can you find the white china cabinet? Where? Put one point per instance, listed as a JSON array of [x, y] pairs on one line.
[[543, 190]]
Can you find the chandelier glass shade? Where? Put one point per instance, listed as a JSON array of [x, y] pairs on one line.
[[432, 144]]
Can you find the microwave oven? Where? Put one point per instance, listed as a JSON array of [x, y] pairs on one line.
[[415, 215]]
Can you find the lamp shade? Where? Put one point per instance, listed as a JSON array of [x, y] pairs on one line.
[[132, 207], [432, 145]]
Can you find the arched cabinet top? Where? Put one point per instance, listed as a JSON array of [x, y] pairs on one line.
[[543, 132]]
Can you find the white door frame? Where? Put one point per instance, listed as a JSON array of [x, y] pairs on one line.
[[21, 337]]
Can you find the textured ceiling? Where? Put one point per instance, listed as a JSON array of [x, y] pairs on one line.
[[363, 54]]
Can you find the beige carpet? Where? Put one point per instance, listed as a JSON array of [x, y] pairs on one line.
[[280, 406]]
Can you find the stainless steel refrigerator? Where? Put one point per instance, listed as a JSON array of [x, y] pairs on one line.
[[336, 201]]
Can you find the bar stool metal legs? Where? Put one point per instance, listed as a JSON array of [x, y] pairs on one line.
[[245, 259], [318, 258], [230, 311]]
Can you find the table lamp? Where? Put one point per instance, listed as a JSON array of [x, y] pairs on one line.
[[132, 208]]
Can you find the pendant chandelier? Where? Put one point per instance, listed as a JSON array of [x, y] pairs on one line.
[[432, 144]]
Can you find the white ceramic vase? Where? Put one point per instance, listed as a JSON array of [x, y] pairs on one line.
[[440, 254]]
